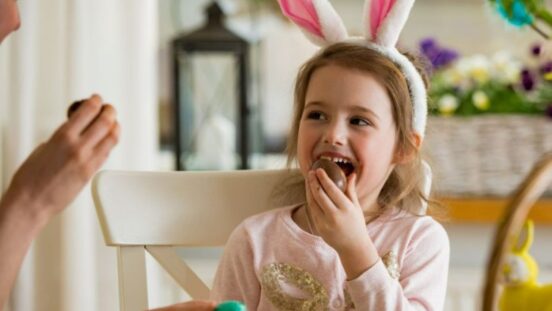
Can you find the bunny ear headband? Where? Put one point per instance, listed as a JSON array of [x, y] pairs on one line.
[[384, 21]]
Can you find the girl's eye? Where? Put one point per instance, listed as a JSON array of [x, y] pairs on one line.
[[316, 115], [360, 122]]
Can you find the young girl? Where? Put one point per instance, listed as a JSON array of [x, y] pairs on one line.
[[361, 104]]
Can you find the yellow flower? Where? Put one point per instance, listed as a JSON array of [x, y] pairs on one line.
[[476, 68], [548, 76], [481, 100], [480, 74], [447, 104]]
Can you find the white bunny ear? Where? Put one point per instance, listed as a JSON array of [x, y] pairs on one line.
[[317, 19], [385, 19]]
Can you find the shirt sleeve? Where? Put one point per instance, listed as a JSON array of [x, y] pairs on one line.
[[423, 276], [236, 278]]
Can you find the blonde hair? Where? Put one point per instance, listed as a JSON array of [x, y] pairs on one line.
[[404, 186]]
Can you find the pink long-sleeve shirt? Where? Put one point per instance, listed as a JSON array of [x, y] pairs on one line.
[[270, 263]]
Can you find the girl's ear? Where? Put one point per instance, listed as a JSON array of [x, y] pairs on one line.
[[406, 154], [317, 19]]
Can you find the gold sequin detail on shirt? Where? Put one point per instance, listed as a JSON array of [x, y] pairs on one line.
[[349, 304], [276, 273], [390, 261]]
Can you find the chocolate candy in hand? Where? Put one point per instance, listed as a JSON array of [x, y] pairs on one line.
[[231, 305], [74, 107], [333, 171]]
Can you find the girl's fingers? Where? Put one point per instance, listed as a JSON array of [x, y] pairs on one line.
[[320, 196], [351, 188], [314, 207], [314, 189], [338, 198]]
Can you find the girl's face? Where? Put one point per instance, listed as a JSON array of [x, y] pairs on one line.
[[9, 18], [348, 117]]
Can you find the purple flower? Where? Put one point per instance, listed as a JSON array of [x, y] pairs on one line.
[[444, 57], [527, 80], [427, 45], [437, 56], [536, 49]]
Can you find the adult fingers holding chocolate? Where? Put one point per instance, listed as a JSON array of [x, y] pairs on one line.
[[50, 178], [59, 168]]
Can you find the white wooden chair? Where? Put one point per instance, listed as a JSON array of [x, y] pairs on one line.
[[157, 211]]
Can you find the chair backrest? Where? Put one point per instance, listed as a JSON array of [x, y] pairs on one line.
[[156, 211]]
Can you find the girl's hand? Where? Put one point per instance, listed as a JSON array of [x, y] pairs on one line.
[[339, 220], [337, 216]]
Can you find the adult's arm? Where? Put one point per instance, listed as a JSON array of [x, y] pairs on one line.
[[50, 179]]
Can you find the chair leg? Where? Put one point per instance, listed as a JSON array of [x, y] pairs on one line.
[[133, 291]]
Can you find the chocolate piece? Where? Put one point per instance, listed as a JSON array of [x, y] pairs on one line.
[[74, 107], [334, 172]]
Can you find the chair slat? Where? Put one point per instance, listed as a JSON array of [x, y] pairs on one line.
[[180, 271]]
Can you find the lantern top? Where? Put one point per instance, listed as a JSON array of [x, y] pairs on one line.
[[213, 35]]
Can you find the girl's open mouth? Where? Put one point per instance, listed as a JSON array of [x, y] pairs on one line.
[[346, 165]]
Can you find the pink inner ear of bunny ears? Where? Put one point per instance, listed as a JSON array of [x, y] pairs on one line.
[[378, 11], [303, 13]]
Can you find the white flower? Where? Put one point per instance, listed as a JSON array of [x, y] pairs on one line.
[[447, 104], [453, 76], [481, 100], [478, 68], [468, 72], [505, 68]]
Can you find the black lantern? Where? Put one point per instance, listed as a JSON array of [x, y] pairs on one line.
[[210, 89]]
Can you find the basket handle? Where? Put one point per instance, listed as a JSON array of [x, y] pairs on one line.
[[516, 212]]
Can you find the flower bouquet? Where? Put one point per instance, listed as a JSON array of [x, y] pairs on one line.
[[498, 84], [488, 123]]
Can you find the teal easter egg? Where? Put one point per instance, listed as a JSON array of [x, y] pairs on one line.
[[231, 306]]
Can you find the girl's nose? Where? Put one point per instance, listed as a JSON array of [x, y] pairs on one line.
[[335, 134]]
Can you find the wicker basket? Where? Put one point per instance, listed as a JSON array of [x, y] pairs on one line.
[[485, 155]]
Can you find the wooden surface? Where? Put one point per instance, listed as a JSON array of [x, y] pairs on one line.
[[489, 210]]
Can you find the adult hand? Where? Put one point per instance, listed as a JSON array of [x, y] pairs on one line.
[[50, 179], [196, 305], [58, 169]]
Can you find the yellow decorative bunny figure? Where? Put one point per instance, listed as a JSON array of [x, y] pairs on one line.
[[522, 292]]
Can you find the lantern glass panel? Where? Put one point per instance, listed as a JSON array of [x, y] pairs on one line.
[[209, 110]]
